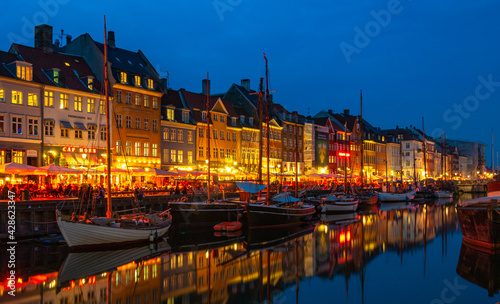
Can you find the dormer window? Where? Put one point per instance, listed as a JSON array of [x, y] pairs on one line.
[[233, 121], [24, 71], [123, 77], [89, 82], [55, 76], [204, 116], [242, 119], [150, 83], [185, 117], [170, 114], [137, 80], [250, 120]]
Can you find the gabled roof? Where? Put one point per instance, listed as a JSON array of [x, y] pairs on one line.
[[392, 134], [72, 68], [197, 103]]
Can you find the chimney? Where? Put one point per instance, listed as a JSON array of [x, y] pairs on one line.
[[246, 84], [346, 112], [204, 87], [68, 39], [111, 39], [43, 37], [330, 111], [397, 127]]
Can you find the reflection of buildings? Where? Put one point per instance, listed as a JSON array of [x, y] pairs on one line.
[[254, 271]]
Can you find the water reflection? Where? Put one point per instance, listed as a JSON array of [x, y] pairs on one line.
[[254, 267]]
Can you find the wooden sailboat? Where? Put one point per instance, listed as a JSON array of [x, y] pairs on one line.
[[105, 231], [285, 211], [209, 212]]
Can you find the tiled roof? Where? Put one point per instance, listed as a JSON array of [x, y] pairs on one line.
[[72, 68], [172, 97]]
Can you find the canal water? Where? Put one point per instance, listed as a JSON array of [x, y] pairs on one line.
[[395, 253]]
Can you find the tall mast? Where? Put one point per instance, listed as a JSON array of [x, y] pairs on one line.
[[492, 158], [208, 139], [445, 156], [108, 139], [268, 106], [425, 152], [401, 157], [261, 101], [296, 155], [362, 137]]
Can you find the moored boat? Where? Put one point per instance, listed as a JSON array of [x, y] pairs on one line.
[[397, 197], [480, 222], [493, 188], [206, 213], [443, 194], [340, 204]]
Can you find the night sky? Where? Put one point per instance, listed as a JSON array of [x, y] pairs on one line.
[[412, 58]]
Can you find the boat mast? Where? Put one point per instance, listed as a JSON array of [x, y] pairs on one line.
[[108, 139], [261, 101], [345, 160], [425, 152], [208, 138], [362, 137], [492, 153], [296, 155], [267, 130], [401, 158]]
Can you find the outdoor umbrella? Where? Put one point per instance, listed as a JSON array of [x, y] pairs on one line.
[[16, 168], [55, 170]]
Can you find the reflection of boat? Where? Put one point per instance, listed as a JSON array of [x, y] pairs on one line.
[[201, 239], [443, 201], [260, 239], [337, 218], [480, 220], [480, 268], [397, 197], [394, 206], [443, 194], [203, 213], [78, 265]]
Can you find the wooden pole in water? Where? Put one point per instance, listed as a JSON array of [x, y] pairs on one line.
[[208, 138]]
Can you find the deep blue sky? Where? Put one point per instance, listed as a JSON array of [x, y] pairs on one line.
[[423, 57]]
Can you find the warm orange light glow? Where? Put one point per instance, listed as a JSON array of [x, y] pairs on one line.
[[342, 238], [344, 154], [348, 236]]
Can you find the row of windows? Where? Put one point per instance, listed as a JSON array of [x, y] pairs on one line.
[[137, 149], [177, 156], [78, 104], [137, 80], [17, 98], [216, 133], [128, 123], [17, 125], [291, 129], [218, 153], [176, 135], [139, 99]]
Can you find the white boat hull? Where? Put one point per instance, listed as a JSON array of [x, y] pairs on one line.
[[81, 234], [339, 205], [396, 197]]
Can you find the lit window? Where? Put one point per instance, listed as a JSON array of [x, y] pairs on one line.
[[128, 148], [123, 77], [150, 83], [24, 72], [102, 106], [172, 134], [170, 114], [32, 100], [138, 100], [190, 157], [64, 102], [2, 98], [155, 103], [166, 134], [118, 148], [180, 135], [137, 149], [78, 103], [154, 150], [90, 83], [137, 80], [146, 101], [180, 156], [146, 149], [90, 105], [190, 136], [17, 97], [173, 156]]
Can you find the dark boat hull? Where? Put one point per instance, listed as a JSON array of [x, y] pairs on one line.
[[480, 226], [368, 200], [203, 214], [263, 216]]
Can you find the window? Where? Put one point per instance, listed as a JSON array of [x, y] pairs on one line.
[[128, 122], [200, 151], [119, 96], [250, 120], [166, 134], [173, 155], [170, 114], [215, 134], [32, 126], [215, 117], [118, 150], [203, 116], [24, 72], [102, 106], [128, 98], [222, 134], [222, 118], [233, 121], [216, 153], [17, 97], [78, 134], [234, 154], [137, 80], [228, 136], [92, 129], [17, 156], [150, 83], [228, 153], [123, 77], [154, 150], [221, 153], [180, 135], [190, 136], [137, 123], [17, 125], [146, 101], [64, 101], [137, 149], [155, 103], [146, 123], [190, 157], [118, 120], [155, 125], [146, 149], [128, 148], [78, 103], [64, 132], [32, 100], [49, 127], [180, 156], [201, 132], [284, 128], [165, 155], [234, 136], [102, 131], [185, 117], [138, 100], [90, 105], [172, 134]]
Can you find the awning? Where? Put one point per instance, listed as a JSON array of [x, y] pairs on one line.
[[69, 158], [91, 124], [80, 126], [18, 149], [66, 124]]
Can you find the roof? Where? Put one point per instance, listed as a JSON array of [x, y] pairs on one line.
[[173, 98], [7, 58], [199, 101], [72, 68]]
